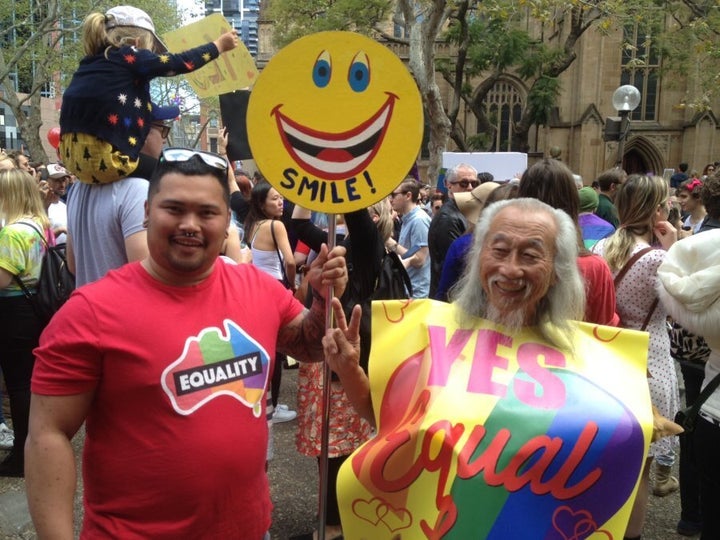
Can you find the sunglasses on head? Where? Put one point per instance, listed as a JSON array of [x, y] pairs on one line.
[[179, 155], [465, 183]]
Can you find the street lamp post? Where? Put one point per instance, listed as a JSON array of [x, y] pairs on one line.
[[625, 100]]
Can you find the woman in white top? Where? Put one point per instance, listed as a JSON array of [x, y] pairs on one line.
[[642, 204], [271, 252], [267, 236]]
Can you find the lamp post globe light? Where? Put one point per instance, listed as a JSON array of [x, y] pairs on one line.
[[625, 100]]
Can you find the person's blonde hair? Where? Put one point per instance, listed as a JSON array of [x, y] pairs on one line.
[[637, 202], [384, 223], [97, 38], [20, 197], [5, 157]]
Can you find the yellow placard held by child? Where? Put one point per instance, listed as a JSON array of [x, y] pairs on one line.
[[484, 434], [232, 71]]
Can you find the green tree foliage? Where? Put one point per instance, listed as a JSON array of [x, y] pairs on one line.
[[294, 19], [474, 45], [690, 46], [533, 41]]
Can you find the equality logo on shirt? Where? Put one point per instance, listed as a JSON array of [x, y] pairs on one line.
[[215, 364]]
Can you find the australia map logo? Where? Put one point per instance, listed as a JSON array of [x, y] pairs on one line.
[[217, 363]]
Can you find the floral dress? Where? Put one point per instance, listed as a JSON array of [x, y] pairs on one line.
[[347, 429]]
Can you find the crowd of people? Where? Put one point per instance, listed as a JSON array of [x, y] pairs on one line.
[[109, 225], [197, 285]]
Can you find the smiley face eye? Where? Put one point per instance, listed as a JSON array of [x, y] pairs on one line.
[[322, 70], [359, 74]]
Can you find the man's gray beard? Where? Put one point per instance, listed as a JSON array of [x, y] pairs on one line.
[[514, 321]]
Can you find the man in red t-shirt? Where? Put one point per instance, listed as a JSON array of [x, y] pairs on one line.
[[167, 360]]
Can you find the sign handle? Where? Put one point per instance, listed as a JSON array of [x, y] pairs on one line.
[[327, 381]]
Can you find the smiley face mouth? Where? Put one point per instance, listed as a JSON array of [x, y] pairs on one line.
[[335, 156]]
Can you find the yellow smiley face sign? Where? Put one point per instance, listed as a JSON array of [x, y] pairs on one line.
[[335, 122]]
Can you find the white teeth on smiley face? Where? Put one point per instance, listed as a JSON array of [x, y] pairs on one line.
[[353, 149], [330, 166]]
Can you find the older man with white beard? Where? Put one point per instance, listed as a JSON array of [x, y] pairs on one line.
[[466, 395], [522, 272], [523, 257]]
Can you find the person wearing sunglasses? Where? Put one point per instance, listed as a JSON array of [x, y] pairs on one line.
[[411, 245], [449, 223], [105, 221], [168, 359]]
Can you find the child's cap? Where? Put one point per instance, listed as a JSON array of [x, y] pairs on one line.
[[132, 16], [161, 114]]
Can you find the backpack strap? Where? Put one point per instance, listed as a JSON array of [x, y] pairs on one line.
[[702, 398], [25, 290], [16, 277]]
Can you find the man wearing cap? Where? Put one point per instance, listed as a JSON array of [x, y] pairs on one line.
[[105, 221], [449, 223], [594, 228], [412, 244], [58, 180]]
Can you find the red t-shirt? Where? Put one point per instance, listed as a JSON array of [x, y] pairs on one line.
[[176, 436]]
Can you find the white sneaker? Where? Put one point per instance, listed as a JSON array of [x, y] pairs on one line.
[[7, 437], [283, 414]]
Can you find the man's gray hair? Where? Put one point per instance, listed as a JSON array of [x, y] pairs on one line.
[[453, 173], [565, 300]]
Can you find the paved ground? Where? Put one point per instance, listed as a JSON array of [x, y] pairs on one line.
[[294, 487]]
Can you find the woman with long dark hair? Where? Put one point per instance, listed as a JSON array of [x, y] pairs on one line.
[[368, 230]]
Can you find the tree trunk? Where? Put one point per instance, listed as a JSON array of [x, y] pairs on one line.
[[31, 131], [424, 29], [579, 24]]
